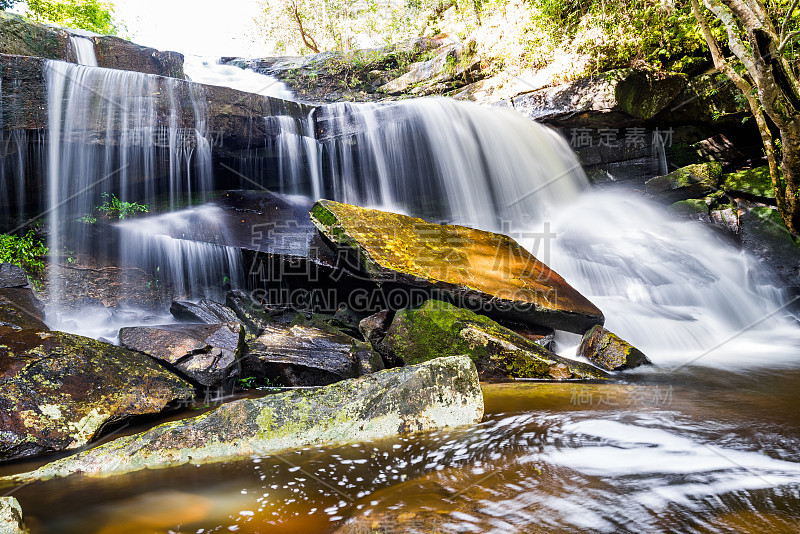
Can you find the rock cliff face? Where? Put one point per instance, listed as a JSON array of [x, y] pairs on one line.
[[22, 37]]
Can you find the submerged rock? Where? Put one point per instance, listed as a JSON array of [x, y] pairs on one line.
[[477, 269], [301, 355], [440, 329], [206, 311], [208, 354], [11, 516], [441, 393], [692, 181], [609, 351], [12, 276], [21, 310], [59, 390]]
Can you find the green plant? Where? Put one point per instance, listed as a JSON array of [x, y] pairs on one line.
[[26, 251], [88, 219], [252, 382], [114, 208]]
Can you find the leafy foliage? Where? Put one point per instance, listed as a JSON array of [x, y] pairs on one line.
[[6, 4], [27, 251], [92, 15], [114, 208]]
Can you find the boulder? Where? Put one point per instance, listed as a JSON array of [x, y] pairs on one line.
[[12, 276], [206, 311], [692, 181], [454, 66], [440, 329], [11, 516], [614, 98], [694, 209], [609, 351], [441, 393], [374, 328], [303, 355], [477, 269], [59, 390], [208, 354], [20, 309], [764, 235]]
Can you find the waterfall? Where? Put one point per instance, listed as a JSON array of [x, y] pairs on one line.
[[117, 136], [676, 289], [84, 50]]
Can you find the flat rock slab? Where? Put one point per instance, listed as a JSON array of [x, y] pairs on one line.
[[206, 353], [441, 393], [303, 355], [20, 309], [205, 311], [12, 276], [478, 270], [59, 390], [440, 329]]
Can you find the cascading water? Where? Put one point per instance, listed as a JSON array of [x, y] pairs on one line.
[[84, 50], [210, 72], [116, 137], [671, 287]]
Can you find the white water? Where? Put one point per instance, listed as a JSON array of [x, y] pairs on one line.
[[124, 134], [84, 50], [209, 71]]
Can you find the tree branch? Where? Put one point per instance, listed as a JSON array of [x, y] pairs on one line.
[[782, 34], [786, 41], [737, 46], [307, 39]]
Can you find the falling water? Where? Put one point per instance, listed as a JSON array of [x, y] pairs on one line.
[[117, 135], [84, 50]]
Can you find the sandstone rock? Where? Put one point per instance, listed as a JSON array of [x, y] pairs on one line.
[[302, 355], [11, 517], [441, 393], [374, 328], [206, 311], [477, 269], [12, 276], [693, 181], [609, 351], [208, 353], [20, 309], [440, 329], [59, 390]]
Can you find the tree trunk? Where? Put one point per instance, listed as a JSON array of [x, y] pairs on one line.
[[790, 169]]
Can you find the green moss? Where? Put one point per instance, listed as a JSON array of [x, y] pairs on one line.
[[753, 182]]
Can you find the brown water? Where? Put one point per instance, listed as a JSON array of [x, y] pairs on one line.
[[698, 450]]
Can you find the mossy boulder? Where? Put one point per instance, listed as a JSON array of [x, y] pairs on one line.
[[764, 235], [208, 354], [58, 390], [11, 515], [692, 181], [751, 184], [441, 329], [609, 351], [305, 355], [644, 94], [476, 269], [441, 393]]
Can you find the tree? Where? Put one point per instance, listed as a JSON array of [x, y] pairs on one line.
[[92, 15], [762, 68], [303, 26]]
